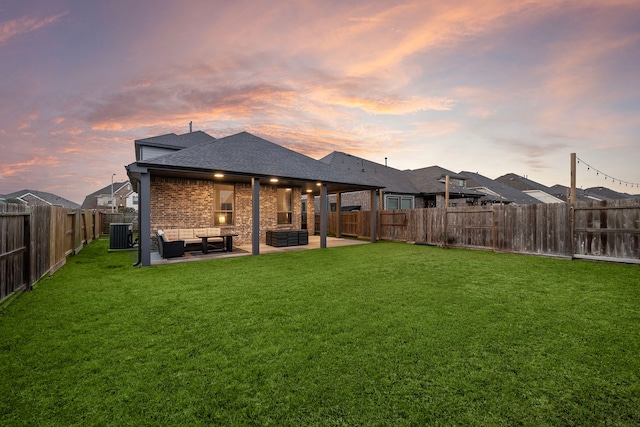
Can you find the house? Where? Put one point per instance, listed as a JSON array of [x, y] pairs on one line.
[[156, 146], [123, 196], [430, 181], [607, 194], [401, 189], [41, 198], [396, 189], [241, 183], [532, 188], [497, 192]]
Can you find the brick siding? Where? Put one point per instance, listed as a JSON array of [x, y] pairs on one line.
[[188, 203]]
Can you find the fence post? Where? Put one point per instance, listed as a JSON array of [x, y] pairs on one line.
[[26, 261], [572, 210]]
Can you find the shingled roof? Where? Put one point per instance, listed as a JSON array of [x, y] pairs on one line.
[[28, 197], [171, 140], [392, 180], [429, 180], [509, 194], [523, 184], [249, 155]]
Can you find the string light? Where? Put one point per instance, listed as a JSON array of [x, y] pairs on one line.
[[598, 172]]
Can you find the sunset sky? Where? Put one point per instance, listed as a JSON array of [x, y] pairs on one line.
[[491, 86]]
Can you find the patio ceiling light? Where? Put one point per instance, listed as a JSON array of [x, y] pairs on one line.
[[274, 180], [218, 175], [319, 184]]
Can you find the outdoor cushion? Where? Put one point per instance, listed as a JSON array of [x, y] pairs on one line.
[[186, 234], [171, 234], [200, 232]]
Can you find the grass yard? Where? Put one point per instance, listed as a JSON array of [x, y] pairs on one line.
[[384, 334]]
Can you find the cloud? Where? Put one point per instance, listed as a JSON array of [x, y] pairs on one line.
[[11, 169], [25, 25], [222, 93]]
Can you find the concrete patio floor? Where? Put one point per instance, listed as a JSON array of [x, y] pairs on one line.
[[245, 250]]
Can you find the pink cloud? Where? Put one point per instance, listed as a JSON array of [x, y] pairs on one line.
[[24, 25]]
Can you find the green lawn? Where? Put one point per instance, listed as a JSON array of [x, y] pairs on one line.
[[384, 334]]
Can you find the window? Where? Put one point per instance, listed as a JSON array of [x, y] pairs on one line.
[[406, 203], [223, 195], [392, 202], [135, 200], [284, 206]]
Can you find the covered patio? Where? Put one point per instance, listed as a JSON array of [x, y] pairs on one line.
[[238, 184]]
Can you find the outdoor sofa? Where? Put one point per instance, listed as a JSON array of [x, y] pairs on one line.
[[173, 241]]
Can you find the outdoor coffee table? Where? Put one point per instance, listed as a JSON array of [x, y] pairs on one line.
[[227, 241]]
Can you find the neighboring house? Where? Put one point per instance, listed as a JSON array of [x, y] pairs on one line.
[[591, 194], [430, 181], [607, 194], [123, 195], [497, 192], [397, 190], [402, 189], [541, 192], [562, 192], [156, 146], [241, 183], [41, 198]]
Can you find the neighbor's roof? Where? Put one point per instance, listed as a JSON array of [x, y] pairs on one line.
[[509, 194], [249, 155], [392, 180], [48, 198], [430, 180], [609, 194], [523, 184]]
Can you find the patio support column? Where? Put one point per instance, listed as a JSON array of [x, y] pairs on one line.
[[144, 227], [339, 213], [255, 216], [323, 216], [374, 217]]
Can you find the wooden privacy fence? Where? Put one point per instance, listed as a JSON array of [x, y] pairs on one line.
[[601, 230], [35, 241], [118, 217]]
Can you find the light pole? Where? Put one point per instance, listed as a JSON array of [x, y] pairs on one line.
[[113, 201]]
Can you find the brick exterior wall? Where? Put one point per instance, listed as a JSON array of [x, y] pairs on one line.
[[188, 203]]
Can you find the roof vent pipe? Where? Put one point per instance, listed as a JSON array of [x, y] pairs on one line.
[[190, 126], [385, 161]]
